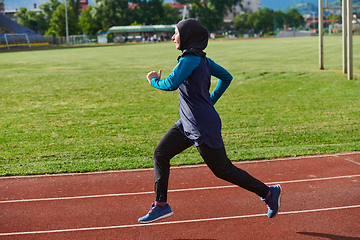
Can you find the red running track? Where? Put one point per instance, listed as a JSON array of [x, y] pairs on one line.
[[321, 200]]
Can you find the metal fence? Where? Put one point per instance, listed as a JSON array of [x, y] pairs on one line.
[[73, 40]]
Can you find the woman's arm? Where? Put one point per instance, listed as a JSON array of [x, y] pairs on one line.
[[223, 83], [178, 75]]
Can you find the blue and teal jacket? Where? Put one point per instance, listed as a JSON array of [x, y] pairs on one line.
[[199, 120]]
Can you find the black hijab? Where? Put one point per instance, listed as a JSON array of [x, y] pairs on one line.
[[193, 37]]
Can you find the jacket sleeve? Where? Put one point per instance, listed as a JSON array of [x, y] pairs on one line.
[[223, 83], [178, 75]]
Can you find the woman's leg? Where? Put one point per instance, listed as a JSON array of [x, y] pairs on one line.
[[223, 168], [171, 144]]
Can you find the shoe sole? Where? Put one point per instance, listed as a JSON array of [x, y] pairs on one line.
[[156, 219], [280, 191]]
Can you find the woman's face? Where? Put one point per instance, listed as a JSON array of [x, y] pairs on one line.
[[176, 39]]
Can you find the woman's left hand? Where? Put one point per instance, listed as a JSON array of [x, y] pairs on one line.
[[154, 74]]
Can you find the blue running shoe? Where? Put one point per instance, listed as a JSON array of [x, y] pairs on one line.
[[156, 213], [273, 202]]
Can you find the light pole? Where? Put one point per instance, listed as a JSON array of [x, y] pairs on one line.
[[344, 35], [321, 41], [349, 10], [66, 24]]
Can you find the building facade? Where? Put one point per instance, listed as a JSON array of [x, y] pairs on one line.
[[2, 7], [249, 6]]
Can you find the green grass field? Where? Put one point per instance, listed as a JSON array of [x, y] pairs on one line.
[[89, 109]]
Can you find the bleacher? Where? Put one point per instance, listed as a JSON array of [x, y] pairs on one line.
[[8, 26]]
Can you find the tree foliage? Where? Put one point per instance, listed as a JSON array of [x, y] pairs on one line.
[[49, 8], [171, 15], [294, 18], [241, 21], [262, 20], [75, 5], [149, 12], [113, 12], [266, 20], [101, 16], [57, 22], [333, 16], [279, 19], [89, 22], [30, 19], [121, 12], [107, 13], [210, 13]]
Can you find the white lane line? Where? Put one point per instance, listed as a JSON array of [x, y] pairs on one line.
[[176, 222], [180, 167], [352, 161], [173, 190]]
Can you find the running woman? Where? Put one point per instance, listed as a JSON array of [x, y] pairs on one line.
[[199, 124]]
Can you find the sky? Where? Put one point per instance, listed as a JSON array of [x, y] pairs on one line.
[[29, 4], [275, 5]]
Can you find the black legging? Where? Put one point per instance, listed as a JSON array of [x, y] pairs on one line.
[[174, 142]]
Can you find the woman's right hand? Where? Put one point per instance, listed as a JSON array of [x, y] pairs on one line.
[[154, 74]]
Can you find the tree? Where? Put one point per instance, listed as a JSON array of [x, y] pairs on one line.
[[294, 18], [210, 13], [57, 22], [171, 15], [118, 12], [89, 22], [149, 11], [75, 5], [32, 20], [241, 23], [49, 8], [86, 20], [279, 19], [264, 20], [113, 13], [207, 15], [333, 16]]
